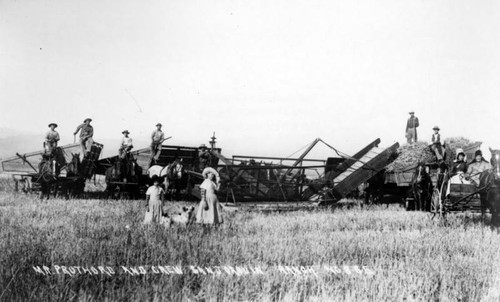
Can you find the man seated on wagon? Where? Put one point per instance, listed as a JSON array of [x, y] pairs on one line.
[[126, 145], [436, 146], [476, 167], [51, 139]]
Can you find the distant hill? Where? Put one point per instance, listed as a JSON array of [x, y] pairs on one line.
[[12, 141]]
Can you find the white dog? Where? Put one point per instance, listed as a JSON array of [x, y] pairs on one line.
[[183, 218]]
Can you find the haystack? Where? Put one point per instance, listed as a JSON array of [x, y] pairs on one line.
[[410, 155]]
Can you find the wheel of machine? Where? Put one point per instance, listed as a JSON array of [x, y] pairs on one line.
[[436, 203]]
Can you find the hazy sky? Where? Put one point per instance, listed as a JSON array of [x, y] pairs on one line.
[[266, 76]]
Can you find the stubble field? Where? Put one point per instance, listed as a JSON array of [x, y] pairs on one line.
[[354, 254]]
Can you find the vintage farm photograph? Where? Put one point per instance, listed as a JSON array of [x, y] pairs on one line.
[[249, 150]]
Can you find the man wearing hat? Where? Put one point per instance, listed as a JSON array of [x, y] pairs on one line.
[[157, 138], [51, 138], [86, 134], [436, 146], [203, 157], [411, 128], [126, 144], [476, 167]]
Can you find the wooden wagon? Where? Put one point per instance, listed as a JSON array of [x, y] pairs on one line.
[[38, 170], [169, 153], [400, 182], [455, 197]]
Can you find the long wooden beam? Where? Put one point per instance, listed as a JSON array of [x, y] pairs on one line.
[[277, 158]]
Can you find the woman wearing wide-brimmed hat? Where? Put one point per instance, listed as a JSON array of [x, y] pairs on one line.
[[209, 210]]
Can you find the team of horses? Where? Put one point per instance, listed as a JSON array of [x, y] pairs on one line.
[[421, 188], [49, 170], [488, 187], [123, 173]]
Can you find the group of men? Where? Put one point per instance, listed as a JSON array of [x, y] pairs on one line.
[[411, 136], [86, 139], [157, 139], [86, 133]]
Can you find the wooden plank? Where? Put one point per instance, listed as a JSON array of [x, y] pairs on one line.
[[350, 161], [248, 157], [364, 173], [359, 164]]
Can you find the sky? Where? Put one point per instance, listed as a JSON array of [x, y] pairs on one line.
[[267, 77]]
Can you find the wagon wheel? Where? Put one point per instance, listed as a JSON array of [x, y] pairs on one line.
[[437, 207]]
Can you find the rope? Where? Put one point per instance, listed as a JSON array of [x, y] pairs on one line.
[[299, 150], [346, 156]]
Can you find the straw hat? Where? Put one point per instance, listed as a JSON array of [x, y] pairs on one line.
[[436, 128], [55, 125], [125, 131], [87, 119], [210, 170]]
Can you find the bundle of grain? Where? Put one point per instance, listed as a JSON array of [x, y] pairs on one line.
[[453, 143], [410, 155]]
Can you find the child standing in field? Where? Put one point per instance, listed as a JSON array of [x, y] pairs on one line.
[[154, 202], [209, 209]]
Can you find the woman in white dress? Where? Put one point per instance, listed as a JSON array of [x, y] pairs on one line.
[[154, 202], [209, 209]]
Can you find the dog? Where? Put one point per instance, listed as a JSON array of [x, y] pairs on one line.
[[184, 218]]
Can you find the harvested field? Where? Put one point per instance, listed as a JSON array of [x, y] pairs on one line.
[[411, 256]]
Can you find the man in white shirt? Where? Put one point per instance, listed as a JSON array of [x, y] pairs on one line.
[[51, 138], [126, 145]]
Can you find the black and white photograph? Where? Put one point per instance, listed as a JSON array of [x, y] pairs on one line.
[[228, 150]]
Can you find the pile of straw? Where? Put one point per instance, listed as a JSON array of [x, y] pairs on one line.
[[410, 155]]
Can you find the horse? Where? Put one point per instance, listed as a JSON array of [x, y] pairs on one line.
[[74, 169], [159, 171], [48, 170], [74, 166], [122, 171], [176, 177], [421, 188], [489, 186]]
